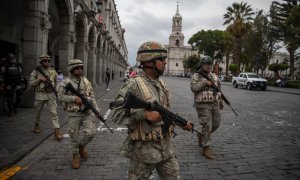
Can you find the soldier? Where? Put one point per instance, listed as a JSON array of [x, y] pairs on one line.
[[76, 116], [148, 149], [44, 94], [207, 103], [12, 82]]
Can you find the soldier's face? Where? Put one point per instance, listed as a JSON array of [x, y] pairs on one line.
[[161, 65], [206, 67], [46, 63], [78, 71]]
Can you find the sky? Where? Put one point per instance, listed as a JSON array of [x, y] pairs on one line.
[[151, 20]]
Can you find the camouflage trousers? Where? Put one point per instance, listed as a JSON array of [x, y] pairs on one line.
[[209, 119], [168, 169], [51, 103], [88, 127]]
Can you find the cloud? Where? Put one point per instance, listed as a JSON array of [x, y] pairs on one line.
[[146, 20]]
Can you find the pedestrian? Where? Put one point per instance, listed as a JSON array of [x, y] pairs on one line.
[[76, 116], [12, 83], [3, 64], [107, 78], [60, 76], [112, 75], [207, 103], [132, 73], [156, 151], [44, 94]]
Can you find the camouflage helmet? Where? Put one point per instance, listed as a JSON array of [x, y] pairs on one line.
[[206, 60], [10, 57], [151, 50], [44, 57], [74, 63]]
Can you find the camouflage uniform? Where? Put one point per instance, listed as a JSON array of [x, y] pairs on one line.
[[44, 95], [75, 116], [144, 149], [206, 103]]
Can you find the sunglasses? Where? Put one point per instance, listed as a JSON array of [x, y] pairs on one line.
[[46, 61], [79, 67]]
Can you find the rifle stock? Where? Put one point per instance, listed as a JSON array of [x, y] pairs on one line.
[[87, 104], [131, 101]]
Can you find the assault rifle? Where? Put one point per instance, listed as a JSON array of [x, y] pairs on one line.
[[217, 89], [132, 101], [87, 104], [48, 81]]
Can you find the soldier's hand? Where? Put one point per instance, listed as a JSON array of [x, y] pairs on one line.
[[221, 105], [78, 100], [43, 79], [153, 116], [188, 126], [208, 83]]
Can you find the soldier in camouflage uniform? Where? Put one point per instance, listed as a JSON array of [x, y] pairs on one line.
[[45, 95], [146, 146], [207, 103], [74, 107]]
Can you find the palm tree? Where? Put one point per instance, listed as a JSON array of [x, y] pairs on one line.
[[239, 20], [228, 47]]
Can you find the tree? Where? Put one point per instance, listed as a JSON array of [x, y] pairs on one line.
[[209, 43], [238, 18], [228, 48], [285, 20], [276, 68], [192, 63], [234, 68], [260, 43]]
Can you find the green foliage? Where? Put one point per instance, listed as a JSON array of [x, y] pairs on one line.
[[238, 18], [276, 68], [285, 21], [210, 42], [248, 69], [192, 63], [233, 68]]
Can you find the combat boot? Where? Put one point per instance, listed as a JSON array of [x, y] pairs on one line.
[[57, 134], [36, 129], [76, 161], [199, 139], [207, 152], [82, 152]]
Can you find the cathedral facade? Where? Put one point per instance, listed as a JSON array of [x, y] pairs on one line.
[[177, 51]]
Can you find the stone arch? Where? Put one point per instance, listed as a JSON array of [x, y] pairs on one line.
[[104, 58], [81, 32], [91, 61], [98, 58]]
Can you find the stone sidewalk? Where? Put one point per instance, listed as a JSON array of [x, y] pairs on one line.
[[16, 137]]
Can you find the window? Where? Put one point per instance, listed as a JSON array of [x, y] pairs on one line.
[[245, 76], [176, 65], [177, 43], [177, 22]]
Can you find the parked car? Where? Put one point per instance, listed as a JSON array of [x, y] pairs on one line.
[[250, 81]]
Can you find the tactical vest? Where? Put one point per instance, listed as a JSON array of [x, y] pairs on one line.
[[44, 87], [208, 95], [13, 75], [84, 88], [143, 130]]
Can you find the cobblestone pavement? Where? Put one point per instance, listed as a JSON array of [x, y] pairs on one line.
[[261, 143]]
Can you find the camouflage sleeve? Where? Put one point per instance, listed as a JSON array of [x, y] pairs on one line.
[[197, 84], [33, 79], [61, 93], [120, 116]]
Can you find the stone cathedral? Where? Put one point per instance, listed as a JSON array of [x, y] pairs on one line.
[[177, 52]]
